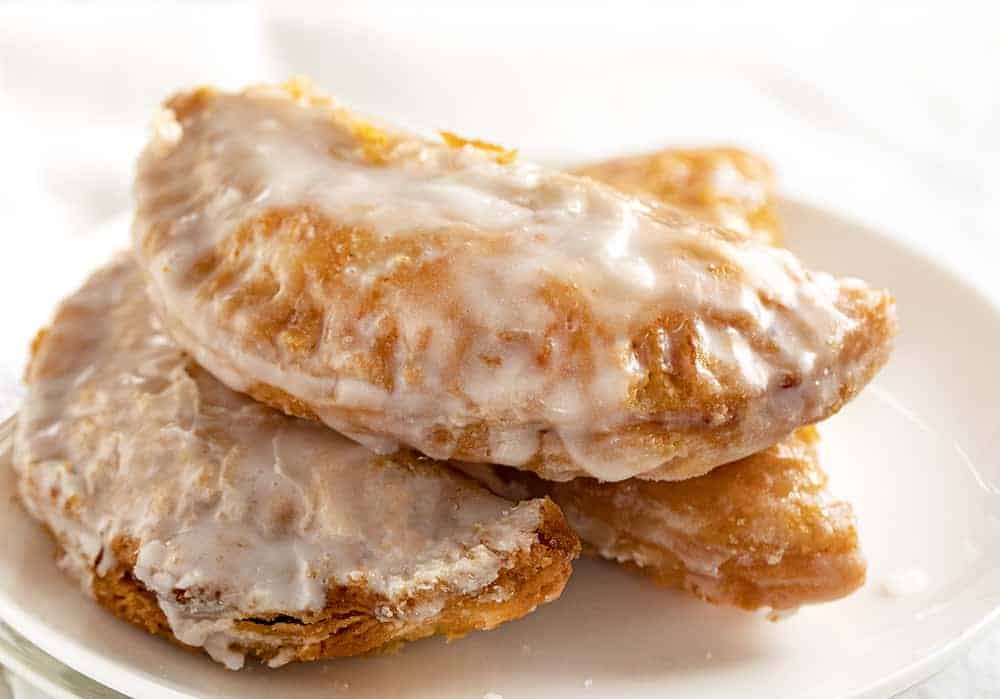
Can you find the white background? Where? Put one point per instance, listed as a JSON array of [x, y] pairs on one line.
[[889, 113]]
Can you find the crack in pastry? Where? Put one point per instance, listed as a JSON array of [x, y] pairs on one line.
[[761, 532], [217, 522], [445, 296]]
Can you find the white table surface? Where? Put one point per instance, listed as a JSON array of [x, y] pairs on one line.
[[889, 114]]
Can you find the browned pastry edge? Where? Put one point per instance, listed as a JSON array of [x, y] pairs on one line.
[[819, 576], [347, 625], [686, 178], [808, 553]]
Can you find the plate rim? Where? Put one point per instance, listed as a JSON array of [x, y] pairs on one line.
[[36, 673]]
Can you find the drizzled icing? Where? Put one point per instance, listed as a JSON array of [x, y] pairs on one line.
[[411, 292], [237, 511]]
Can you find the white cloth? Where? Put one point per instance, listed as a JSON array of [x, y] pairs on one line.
[[890, 114]]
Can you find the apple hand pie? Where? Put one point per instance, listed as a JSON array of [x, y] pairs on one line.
[[442, 295], [759, 532], [200, 515]]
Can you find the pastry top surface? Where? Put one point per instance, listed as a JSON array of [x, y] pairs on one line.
[[728, 187], [236, 510], [443, 295]]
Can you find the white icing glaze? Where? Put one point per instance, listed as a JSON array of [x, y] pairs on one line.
[[512, 229], [237, 510]]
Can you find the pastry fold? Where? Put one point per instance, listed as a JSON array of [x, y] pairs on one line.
[[440, 294]]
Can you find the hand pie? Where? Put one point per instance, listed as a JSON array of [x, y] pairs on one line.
[[202, 516], [439, 294], [760, 532], [727, 187]]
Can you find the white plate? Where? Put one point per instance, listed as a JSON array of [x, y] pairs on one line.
[[33, 673], [917, 454]]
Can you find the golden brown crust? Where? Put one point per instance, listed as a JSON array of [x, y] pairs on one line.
[[762, 531], [283, 401], [726, 186], [36, 342], [821, 576], [348, 626]]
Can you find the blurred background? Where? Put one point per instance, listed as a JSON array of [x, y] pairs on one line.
[[887, 112]]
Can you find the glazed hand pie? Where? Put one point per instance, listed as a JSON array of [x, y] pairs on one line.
[[202, 516], [724, 186], [761, 532], [437, 293]]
